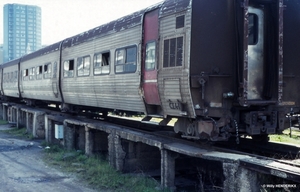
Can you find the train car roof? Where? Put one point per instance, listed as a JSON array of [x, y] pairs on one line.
[[10, 63], [166, 7], [169, 7], [44, 51], [118, 25]]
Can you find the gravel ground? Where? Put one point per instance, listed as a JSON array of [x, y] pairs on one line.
[[22, 168]]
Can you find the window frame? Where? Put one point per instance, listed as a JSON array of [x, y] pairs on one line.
[[155, 54], [174, 52], [67, 75], [39, 72], [125, 64], [101, 66], [25, 74], [31, 73], [255, 29], [83, 59], [47, 72]]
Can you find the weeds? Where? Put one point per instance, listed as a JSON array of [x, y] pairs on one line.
[[2, 122], [19, 132], [285, 138], [96, 172]]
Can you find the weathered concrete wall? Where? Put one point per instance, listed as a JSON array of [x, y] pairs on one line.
[[168, 168], [239, 179], [116, 152], [69, 136]]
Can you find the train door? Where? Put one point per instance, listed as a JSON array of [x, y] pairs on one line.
[[149, 61], [263, 58], [255, 54]]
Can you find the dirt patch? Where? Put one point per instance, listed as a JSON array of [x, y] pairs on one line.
[[22, 168]]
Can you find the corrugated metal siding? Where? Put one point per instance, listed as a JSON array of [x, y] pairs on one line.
[[40, 89], [169, 90], [115, 91]]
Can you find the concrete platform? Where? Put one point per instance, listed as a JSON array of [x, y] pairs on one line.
[[135, 151]]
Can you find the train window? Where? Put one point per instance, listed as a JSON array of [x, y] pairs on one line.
[[150, 56], [173, 52], [39, 72], [252, 29], [125, 60], [101, 63], [83, 66], [179, 21], [31, 73], [25, 74], [69, 68], [47, 71]]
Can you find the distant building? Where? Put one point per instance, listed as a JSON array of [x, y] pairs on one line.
[[1, 54], [22, 30]]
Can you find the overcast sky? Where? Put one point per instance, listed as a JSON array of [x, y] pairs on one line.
[[65, 18]]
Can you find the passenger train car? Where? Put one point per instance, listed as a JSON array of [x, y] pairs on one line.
[[221, 67]]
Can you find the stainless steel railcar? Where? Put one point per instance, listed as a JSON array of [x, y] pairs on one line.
[[221, 67]]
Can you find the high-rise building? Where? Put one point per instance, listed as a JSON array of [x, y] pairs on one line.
[[1, 54], [22, 30]]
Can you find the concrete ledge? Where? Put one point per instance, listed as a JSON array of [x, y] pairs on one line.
[[134, 151]]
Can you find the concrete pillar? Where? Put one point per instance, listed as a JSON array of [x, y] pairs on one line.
[[38, 124], [167, 169], [19, 119], [116, 153], [47, 129], [69, 137], [27, 123], [239, 179], [1, 111], [9, 114], [34, 128], [4, 107], [89, 141], [15, 114]]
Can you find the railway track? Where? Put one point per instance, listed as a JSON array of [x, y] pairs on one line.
[[277, 159], [273, 150]]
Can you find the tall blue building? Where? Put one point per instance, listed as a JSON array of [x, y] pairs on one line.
[[22, 30]]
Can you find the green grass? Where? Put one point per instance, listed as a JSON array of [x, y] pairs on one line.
[[96, 172], [2, 122], [19, 132], [285, 138]]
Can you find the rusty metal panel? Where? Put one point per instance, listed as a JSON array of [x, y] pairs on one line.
[[174, 6], [244, 98], [291, 52], [213, 54], [114, 91], [280, 51], [174, 83]]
